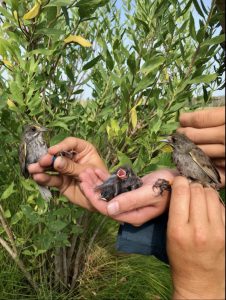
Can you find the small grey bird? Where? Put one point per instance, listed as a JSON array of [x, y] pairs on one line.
[[121, 181], [191, 162], [32, 148]]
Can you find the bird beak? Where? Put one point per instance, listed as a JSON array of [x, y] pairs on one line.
[[168, 140], [122, 174], [43, 129]]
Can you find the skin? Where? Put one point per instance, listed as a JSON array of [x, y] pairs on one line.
[[196, 241]]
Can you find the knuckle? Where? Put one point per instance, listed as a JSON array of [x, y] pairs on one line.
[[176, 234], [200, 238]]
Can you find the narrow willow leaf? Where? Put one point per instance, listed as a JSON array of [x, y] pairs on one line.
[[192, 27], [131, 62], [204, 78], [133, 116], [77, 39], [198, 8], [59, 3], [31, 14], [92, 62], [152, 64], [215, 40]]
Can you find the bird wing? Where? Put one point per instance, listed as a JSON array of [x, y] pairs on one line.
[[204, 162], [22, 159]]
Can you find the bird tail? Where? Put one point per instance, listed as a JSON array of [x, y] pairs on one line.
[[45, 192]]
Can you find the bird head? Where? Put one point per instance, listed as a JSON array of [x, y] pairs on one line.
[[179, 141], [33, 131]]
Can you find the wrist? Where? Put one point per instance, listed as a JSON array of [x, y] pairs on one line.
[[190, 293]]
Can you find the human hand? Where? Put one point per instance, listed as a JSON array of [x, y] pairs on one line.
[[206, 128], [196, 241], [135, 207], [66, 181]]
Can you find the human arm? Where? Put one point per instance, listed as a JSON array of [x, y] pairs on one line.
[[196, 241]]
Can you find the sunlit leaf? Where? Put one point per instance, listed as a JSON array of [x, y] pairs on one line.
[[77, 39], [31, 14]]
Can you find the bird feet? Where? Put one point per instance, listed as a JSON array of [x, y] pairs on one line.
[[162, 185]]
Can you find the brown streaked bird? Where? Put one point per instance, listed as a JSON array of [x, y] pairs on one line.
[[32, 148], [191, 162]]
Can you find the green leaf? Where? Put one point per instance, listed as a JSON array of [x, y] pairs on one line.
[[152, 64], [56, 225], [133, 115], [203, 78], [59, 124], [215, 40], [59, 3], [109, 61], [192, 27], [8, 192], [7, 214], [144, 83], [92, 63], [16, 218], [131, 62], [198, 8], [66, 15]]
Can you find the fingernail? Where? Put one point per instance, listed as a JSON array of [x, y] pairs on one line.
[[113, 208], [60, 163]]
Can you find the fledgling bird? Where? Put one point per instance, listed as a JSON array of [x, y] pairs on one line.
[[191, 162], [121, 181], [32, 148]]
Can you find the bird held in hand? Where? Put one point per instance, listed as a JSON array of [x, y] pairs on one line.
[[191, 162], [121, 181], [32, 148]]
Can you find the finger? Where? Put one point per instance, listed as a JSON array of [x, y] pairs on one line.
[[222, 175], [213, 206], [35, 168], [198, 206], [179, 202], [219, 162], [212, 135], [48, 180], [203, 118], [68, 167], [103, 175], [46, 161], [213, 150], [141, 197], [70, 143]]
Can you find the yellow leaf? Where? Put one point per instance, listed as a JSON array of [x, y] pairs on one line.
[[11, 104], [31, 14], [15, 14], [133, 114], [7, 63], [166, 149], [77, 39]]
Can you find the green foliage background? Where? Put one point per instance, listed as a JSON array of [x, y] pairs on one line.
[[143, 68]]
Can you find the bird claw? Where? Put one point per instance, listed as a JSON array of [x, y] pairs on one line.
[[162, 185]]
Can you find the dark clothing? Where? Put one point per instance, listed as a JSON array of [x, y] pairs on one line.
[[148, 239]]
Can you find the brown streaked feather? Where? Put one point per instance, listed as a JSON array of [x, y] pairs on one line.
[[22, 159], [205, 163]]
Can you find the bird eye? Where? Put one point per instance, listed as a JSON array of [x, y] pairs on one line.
[[33, 129], [173, 139]]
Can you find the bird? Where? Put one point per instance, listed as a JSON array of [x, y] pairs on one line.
[[32, 148], [122, 180], [191, 162]]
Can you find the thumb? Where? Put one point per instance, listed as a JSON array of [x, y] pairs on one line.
[[68, 167]]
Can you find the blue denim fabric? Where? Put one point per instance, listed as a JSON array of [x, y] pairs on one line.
[[148, 239]]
